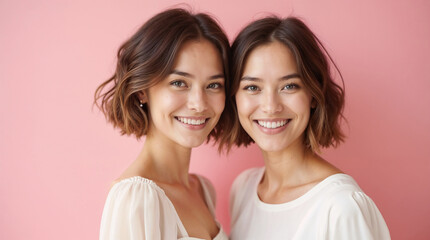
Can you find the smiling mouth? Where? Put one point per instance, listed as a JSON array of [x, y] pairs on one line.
[[192, 121], [272, 124]]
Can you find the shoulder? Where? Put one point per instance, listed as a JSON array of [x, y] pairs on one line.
[[207, 187], [246, 176], [343, 194], [134, 205], [244, 183], [350, 209], [134, 184], [134, 193], [242, 190], [204, 181], [342, 190]]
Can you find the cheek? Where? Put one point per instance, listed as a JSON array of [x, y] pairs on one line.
[[302, 105], [217, 102], [245, 104], [164, 102], [170, 100]]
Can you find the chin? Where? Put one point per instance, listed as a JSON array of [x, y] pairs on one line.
[[192, 143], [270, 147]]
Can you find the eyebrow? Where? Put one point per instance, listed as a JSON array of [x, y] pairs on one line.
[[188, 75], [286, 77], [183, 74]]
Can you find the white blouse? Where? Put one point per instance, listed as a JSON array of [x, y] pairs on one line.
[[136, 208], [336, 208]]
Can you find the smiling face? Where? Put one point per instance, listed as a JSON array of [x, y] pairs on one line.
[[186, 105], [273, 104]]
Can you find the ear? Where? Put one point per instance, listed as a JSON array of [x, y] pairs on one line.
[[142, 97], [313, 103]]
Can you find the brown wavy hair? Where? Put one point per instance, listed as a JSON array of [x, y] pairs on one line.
[[313, 64], [147, 57]]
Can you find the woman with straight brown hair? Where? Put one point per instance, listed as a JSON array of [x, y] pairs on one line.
[[288, 103], [169, 86]]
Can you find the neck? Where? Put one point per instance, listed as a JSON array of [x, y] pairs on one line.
[[165, 161], [288, 167]]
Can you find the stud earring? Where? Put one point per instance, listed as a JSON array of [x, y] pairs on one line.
[[141, 104]]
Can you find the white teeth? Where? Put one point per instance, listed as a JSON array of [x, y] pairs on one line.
[[268, 124], [191, 121]]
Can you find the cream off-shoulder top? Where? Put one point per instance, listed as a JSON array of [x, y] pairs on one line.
[[136, 208]]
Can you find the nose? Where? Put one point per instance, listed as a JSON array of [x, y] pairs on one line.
[[271, 103], [197, 100]]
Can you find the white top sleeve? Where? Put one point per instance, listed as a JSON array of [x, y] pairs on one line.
[[132, 211], [353, 215]]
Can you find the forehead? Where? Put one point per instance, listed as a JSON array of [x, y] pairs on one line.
[[271, 59], [199, 52]]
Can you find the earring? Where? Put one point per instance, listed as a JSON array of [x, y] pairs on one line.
[[141, 104]]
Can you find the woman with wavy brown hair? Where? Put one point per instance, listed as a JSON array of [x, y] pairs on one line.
[[169, 86], [288, 103]]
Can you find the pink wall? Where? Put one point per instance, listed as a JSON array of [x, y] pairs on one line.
[[57, 156]]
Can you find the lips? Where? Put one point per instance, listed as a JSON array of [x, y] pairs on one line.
[[272, 124], [195, 121]]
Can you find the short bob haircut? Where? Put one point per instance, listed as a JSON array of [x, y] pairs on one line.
[[147, 58], [312, 61]]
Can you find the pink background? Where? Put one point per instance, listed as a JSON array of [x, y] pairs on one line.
[[58, 156]]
